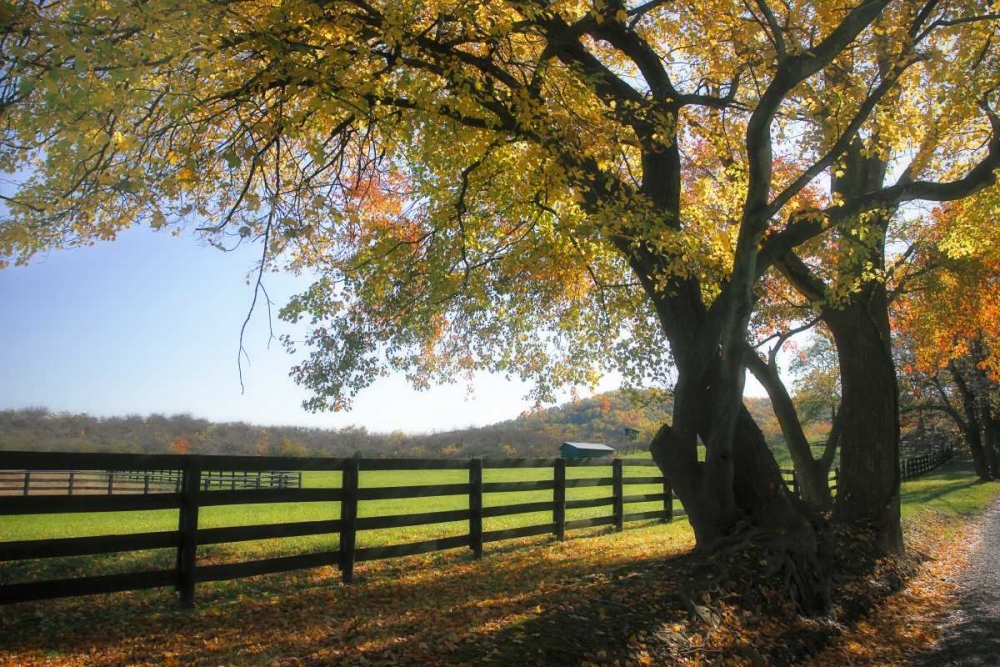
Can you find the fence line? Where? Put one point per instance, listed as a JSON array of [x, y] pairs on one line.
[[193, 495], [70, 482], [908, 469], [207, 481], [919, 465]]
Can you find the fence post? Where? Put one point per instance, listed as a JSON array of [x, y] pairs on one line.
[[72, 478], [145, 483], [111, 482], [27, 481], [188, 527], [559, 498], [668, 500], [476, 507], [349, 519], [618, 494]]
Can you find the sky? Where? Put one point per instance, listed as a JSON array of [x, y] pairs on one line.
[[150, 323]]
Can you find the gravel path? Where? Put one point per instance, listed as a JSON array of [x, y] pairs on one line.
[[971, 633]]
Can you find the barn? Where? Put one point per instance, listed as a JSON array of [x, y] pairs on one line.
[[584, 450]]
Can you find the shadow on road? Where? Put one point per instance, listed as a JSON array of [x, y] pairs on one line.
[[971, 634]]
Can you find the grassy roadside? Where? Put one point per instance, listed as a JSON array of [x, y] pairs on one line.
[[940, 512], [953, 489]]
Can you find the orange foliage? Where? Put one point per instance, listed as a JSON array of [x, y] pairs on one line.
[[181, 445]]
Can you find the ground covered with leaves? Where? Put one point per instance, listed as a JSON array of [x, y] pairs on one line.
[[634, 598], [639, 597]]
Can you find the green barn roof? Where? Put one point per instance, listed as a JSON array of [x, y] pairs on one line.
[[589, 446]]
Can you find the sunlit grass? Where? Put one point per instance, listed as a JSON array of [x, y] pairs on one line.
[[953, 488], [37, 527]]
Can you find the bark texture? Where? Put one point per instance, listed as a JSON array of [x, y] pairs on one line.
[[868, 489]]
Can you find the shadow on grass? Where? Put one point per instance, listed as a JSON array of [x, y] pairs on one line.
[[437, 609], [953, 487]]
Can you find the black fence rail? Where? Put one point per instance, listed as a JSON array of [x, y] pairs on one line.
[[908, 469], [70, 482], [192, 496], [920, 465], [792, 481]]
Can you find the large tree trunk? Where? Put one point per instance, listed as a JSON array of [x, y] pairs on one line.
[[756, 495], [738, 486], [759, 503], [868, 488]]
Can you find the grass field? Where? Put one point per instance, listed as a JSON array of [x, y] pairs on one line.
[[950, 489], [436, 609], [34, 527]]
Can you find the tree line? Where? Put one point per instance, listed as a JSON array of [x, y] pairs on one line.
[[539, 433]]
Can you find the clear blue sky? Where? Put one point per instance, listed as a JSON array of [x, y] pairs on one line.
[[150, 323]]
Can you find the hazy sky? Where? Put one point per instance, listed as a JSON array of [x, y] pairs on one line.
[[150, 323]]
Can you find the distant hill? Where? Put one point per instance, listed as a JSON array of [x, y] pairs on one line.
[[602, 418]]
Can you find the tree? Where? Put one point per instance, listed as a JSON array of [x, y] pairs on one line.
[[181, 445], [548, 190], [817, 379], [817, 389], [949, 319]]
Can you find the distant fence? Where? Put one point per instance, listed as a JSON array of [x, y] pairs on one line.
[[192, 496], [919, 465], [70, 482], [908, 469]]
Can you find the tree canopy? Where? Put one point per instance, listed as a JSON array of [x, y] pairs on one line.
[[547, 189]]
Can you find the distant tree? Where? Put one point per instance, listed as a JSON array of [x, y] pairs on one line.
[[949, 323], [451, 450], [181, 445], [290, 448], [816, 381]]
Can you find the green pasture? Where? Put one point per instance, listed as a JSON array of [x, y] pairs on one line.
[[46, 526], [951, 489]]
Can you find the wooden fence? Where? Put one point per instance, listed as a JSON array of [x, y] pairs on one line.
[[908, 469], [70, 482], [919, 465], [792, 481], [192, 496]]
